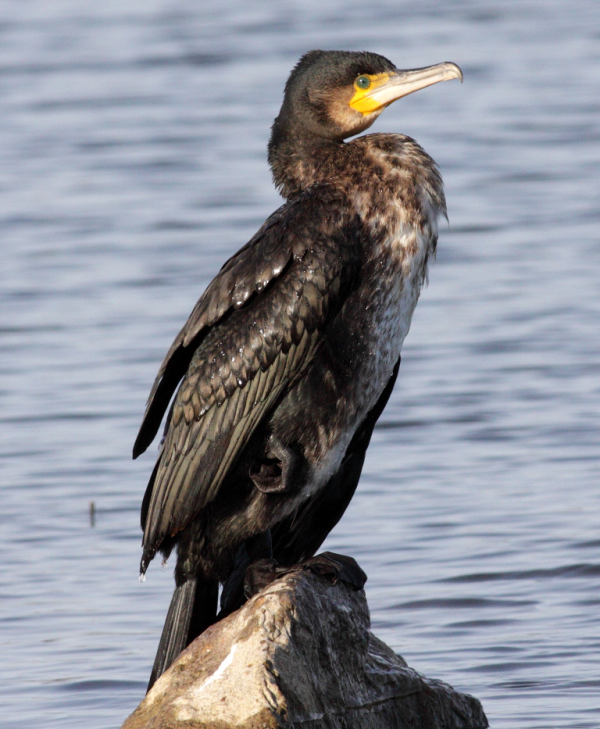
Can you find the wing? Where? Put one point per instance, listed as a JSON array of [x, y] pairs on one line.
[[285, 236], [298, 537], [250, 337]]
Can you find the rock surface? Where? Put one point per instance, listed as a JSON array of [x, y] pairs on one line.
[[300, 654]]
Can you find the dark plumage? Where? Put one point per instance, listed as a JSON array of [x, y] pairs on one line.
[[291, 354]]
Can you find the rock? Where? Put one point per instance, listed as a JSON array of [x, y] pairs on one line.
[[300, 653]]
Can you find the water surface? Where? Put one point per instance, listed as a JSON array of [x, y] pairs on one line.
[[132, 142]]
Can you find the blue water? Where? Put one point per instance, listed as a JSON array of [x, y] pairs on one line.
[[132, 149]]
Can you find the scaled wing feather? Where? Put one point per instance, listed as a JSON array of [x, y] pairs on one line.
[[245, 361]]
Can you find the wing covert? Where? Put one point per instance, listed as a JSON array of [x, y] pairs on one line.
[[284, 236]]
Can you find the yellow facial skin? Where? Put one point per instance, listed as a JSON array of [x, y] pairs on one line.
[[363, 103], [384, 88]]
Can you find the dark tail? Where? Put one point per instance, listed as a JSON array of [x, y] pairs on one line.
[[193, 608]]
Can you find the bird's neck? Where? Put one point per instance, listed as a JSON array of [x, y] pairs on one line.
[[299, 160]]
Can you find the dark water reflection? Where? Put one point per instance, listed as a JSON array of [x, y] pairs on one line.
[[133, 162]]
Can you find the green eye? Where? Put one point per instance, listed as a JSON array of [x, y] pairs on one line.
[[363, 82]]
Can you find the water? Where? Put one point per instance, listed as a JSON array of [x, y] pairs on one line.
[[133, 139]]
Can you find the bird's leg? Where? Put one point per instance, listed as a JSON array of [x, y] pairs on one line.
[[262, 569], [232, 596], [257, 549], [277, 471], [260, 546]]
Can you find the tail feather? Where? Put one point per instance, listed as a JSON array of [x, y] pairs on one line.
[[193, 608]]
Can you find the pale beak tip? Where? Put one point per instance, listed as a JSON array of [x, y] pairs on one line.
[[458, 71]]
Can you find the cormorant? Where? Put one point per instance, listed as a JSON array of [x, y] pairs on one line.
[[291, 354]]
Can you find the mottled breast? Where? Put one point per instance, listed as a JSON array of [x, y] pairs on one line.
[[400, 210], [398, 194]]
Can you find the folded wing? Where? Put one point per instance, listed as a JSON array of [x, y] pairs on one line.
[[251, 336]]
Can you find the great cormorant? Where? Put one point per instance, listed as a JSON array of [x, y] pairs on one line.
[[291, 354]]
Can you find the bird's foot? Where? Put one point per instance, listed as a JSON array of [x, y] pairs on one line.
[[338, 567], [328, 564]]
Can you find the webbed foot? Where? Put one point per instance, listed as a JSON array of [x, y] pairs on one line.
[[328, 564], [337, 567]]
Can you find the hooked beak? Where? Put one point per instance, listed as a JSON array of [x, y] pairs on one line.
[[389, 87]]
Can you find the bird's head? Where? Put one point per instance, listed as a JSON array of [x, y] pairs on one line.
[[333, 95]]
